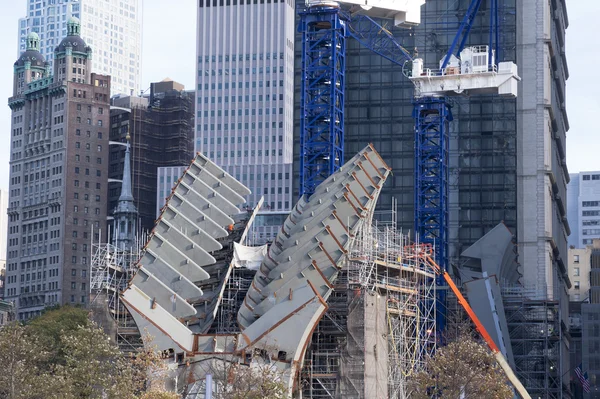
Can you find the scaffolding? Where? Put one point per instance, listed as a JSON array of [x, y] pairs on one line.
[[111, 270], [380, 325], [537, 334]]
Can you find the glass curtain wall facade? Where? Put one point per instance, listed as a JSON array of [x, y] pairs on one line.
[[245, 88], [113, 28]]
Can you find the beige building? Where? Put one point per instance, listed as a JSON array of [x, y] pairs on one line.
[[579, 273]]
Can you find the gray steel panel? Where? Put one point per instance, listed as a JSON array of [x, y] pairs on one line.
[[161, 294], [205, 163], [215, 206], [186, 229], [179, 255], [177, 281], [225, 202], [205, 223], [189, 270]]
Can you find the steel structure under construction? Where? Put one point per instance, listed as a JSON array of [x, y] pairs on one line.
[[111, 269], [384, 299], [206, 297]]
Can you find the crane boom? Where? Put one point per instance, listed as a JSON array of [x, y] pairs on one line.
[[482, 331]]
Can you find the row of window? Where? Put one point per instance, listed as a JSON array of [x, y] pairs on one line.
[[593, 177], [87, 171], [252, 153], [589, 232], [246, 126], [89, 109], [86, 184], [590, 213], [86, 197], [87, 146], [88, 121], [240, 85], [591, 222], [240, 57], [240, 111], [86, 209], [590, 203], [246, 98], [246, 140]]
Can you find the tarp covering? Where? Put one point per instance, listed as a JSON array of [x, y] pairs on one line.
[[248, 257]]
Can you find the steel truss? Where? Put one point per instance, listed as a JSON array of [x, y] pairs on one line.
[[321, 96]]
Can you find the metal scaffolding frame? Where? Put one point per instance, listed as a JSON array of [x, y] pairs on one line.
[[383, 298], [537, 331], [111, 270]]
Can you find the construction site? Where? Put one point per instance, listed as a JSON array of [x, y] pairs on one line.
[[344, 302]]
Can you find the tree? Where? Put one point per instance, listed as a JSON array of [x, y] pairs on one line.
[[463, 369], [234, 380], [62, 354]]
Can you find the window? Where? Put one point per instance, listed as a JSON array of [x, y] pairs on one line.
[[576, 284], [586, 177], [576, 271], [576, 297], [99, 148], [590, 203], [99, 122], [576, 260]]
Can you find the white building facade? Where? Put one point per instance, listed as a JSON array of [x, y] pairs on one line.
[[245, 88], [113, 28], [583, 208]]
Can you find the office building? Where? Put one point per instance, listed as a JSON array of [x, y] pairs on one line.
[[583, 208], [245, 90], [161, 127], [113, 28], [58, 172], [590, 326], [579, 272]]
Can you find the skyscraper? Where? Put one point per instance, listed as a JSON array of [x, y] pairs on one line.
[[113, 28], [583, 208], [245, 89], [3, 231], [58, 172]]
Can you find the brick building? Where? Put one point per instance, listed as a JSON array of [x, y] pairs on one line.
[[58, 174]]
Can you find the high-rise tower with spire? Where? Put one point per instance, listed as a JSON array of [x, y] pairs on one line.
[[125, 214]]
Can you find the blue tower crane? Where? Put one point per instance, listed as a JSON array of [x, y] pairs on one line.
[[325, 28]]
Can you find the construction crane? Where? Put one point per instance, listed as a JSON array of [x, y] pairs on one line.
[[500, 359], [325, 26]]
